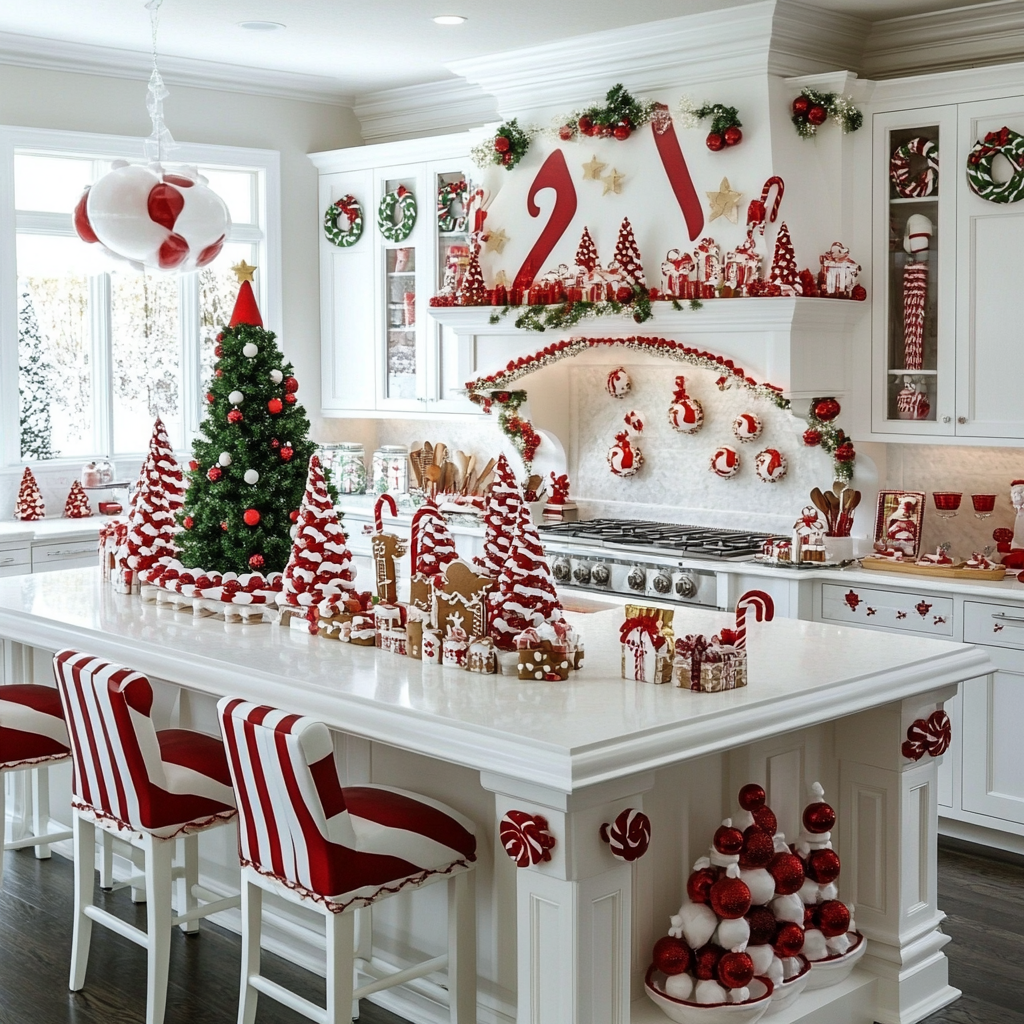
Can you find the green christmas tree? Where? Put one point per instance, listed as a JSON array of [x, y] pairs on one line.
[[35, 385], [248, 469]]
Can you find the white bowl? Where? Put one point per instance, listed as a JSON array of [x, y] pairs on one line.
[[785, 993], [834, 969], [683, 1011]]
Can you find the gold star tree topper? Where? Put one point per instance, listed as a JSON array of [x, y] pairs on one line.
[[723, 203], [243, 271]]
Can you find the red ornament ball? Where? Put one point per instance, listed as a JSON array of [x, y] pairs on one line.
[[622, 132], [801, 105], [235, 416], [789, 939], [224, 527], [758, 848], [213, 473], [809, 909], [706, 961], [187, 522], [218, 373], [501, 143], [714, 142], [751, 797], [255, 561], [728, 840], [833, 918], [565, 133], [193, 465], [672, 956], [730, 898], [251, 516], [275, 405], [733, 136], [291, 385], [845, 453], [218, 351], [209, 397], [698, 885], [817, 115], [823, 866], [290, 399], [826, 409], [788, 871], [286, 453], [812, 438], [859, 293], [735, 970], [762, 925], [294, 515], [585, 124], [766, 820], [274, 443], [819, 817], [220, 337]]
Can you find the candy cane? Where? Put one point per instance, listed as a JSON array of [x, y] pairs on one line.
[[414, 533], [378, 520], [915, 288], [756, 211], [760, 604]]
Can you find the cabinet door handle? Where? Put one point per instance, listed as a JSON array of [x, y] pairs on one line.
[[1016, 620], [961, 419], [66, 553], [947, 419], [7, 561]]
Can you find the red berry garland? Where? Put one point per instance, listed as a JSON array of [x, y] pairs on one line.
[[811, 109]]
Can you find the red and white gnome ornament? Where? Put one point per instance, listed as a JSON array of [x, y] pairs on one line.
[[747, 427], [625, 458], [29, 507], [77, 505], [725, 462], [685, 414]]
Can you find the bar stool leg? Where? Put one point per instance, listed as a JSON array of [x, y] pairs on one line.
[[106, 860], [139, 863], [252, 927], [159, 854], [190, 850], [85, 866], [363, 946], [41, 809], [3, 824], [462, 948], [340, 973]]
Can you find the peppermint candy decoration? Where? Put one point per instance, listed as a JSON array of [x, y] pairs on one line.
[[979, 166], [345, 209], [924, 184], [685, 414], [629, 836], [770, 465], [747, 427], [625, 457], [404, 201], [930, 736], [525, 838], [725, 462], [618, 383]]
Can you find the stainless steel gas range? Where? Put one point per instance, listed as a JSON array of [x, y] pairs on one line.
[[663, 561]]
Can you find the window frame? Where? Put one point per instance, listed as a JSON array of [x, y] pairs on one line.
[[266, 236]]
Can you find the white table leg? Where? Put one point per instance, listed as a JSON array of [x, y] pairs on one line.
[[889, 831], [574, 912]]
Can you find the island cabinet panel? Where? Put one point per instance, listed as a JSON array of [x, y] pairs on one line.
[[887, 609]]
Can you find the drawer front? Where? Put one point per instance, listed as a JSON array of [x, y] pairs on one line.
[[14, 561], [1001, 625], [864, 606], [69, 555]]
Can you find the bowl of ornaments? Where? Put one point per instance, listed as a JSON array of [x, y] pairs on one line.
[[687, 1010]]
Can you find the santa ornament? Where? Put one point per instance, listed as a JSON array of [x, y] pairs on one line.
[[618, 383], [725, 462], [747, 427], [625, 457], [685, 414], [770, 465]]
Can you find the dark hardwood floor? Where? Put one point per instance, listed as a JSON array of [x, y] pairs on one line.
[[983, 898]]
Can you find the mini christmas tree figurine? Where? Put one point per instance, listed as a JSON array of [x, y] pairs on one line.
[[784, 273], [435, 546], [472, 291], [504, 499], [150, 538], [29, 506], [167, 467], [586, 254], [627, 255], [77, 506], [248, 469]]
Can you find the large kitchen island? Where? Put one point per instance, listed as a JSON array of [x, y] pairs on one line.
[[568, 941]]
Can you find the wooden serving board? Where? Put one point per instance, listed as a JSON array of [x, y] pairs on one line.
[[956, 572]]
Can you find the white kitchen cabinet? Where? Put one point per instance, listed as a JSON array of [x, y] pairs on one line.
[[73, 553], [382, 353]]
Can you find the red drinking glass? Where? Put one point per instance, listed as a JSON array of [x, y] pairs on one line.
[[947, 502], [983, 504]]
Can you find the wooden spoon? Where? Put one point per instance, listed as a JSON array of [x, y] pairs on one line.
[[483, 477], [819, 500], [433, 477]]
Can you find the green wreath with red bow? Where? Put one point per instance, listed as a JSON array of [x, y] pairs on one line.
[[403, 201]]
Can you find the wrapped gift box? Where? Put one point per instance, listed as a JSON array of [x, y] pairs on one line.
[[710, 666], [647, 644], [482, 656]]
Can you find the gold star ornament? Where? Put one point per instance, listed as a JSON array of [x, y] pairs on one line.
[[243, 271], [496, 241], [592, 170], [612, 182], [724, 202]]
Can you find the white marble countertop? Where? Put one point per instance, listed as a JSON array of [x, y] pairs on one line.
[[566, 735]]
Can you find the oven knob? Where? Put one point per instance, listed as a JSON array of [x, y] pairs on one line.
[[601, 574], [686, 585], [637, 579], [581, 574], [561, 569], [662, 583]]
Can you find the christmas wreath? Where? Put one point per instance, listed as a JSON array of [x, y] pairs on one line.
[[725, 122], [979, 167], [926, 183], [447, 196], [403, 200], [346, 207], [812, 108]]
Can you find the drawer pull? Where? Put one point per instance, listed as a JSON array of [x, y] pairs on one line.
[[1015, 620], [7, 561], [69, 554]]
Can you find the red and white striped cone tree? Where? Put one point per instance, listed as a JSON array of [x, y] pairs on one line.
[[504, 500], [627, 255], [29, 507], [434, 545], [151, 527], [167, 466], [586, 253], [77, 505]]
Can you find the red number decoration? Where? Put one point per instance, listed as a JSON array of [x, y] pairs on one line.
[[930, 736], [672, 160], [554, 173], [525, 838], [629, 836]]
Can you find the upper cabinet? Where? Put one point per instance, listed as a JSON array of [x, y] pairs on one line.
[[381, 352], [948, 342]]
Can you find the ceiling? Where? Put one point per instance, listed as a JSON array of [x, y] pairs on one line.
[[365, 45]]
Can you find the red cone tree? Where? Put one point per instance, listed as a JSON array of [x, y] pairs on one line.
[[436, 546], [29, 506], [586, 254], [167, 466], [150, 537], [77, 506], [472, 290], [627, 255], [784, 272], [504, 500]]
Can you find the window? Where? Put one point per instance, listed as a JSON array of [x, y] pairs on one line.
[[92, 350]]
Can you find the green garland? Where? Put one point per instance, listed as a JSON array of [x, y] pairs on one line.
[[519, 431], [840, 109], [834, 442]]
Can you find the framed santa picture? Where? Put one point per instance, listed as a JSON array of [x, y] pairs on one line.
[[898, 522]]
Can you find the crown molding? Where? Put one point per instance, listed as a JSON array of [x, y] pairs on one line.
[[111, 62], [415, 111], [964, 37]]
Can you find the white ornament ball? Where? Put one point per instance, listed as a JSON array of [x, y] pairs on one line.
[[733, 934], [725, 462], [686, 415], [747, 427], [618, 383], [251, 476], [840, 944], [762, 957], [625, 457], [710, 992], [698, 922], [739, 995], [250, 351], [236, 398], [224, 458], [809, 892], [760, 883], [791, 967], [770, 465], [276, 376], [679, 986]]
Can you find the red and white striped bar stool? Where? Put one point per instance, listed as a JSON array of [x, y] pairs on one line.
[[147, 788], [33, 736], [305, 838]]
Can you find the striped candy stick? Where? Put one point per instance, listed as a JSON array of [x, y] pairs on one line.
[[378, 511], [427, 511], [763, 607]]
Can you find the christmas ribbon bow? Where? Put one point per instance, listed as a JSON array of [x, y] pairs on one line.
[[646, 624]]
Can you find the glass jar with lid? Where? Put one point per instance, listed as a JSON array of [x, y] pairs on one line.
[[348, 470], [391, 469]]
